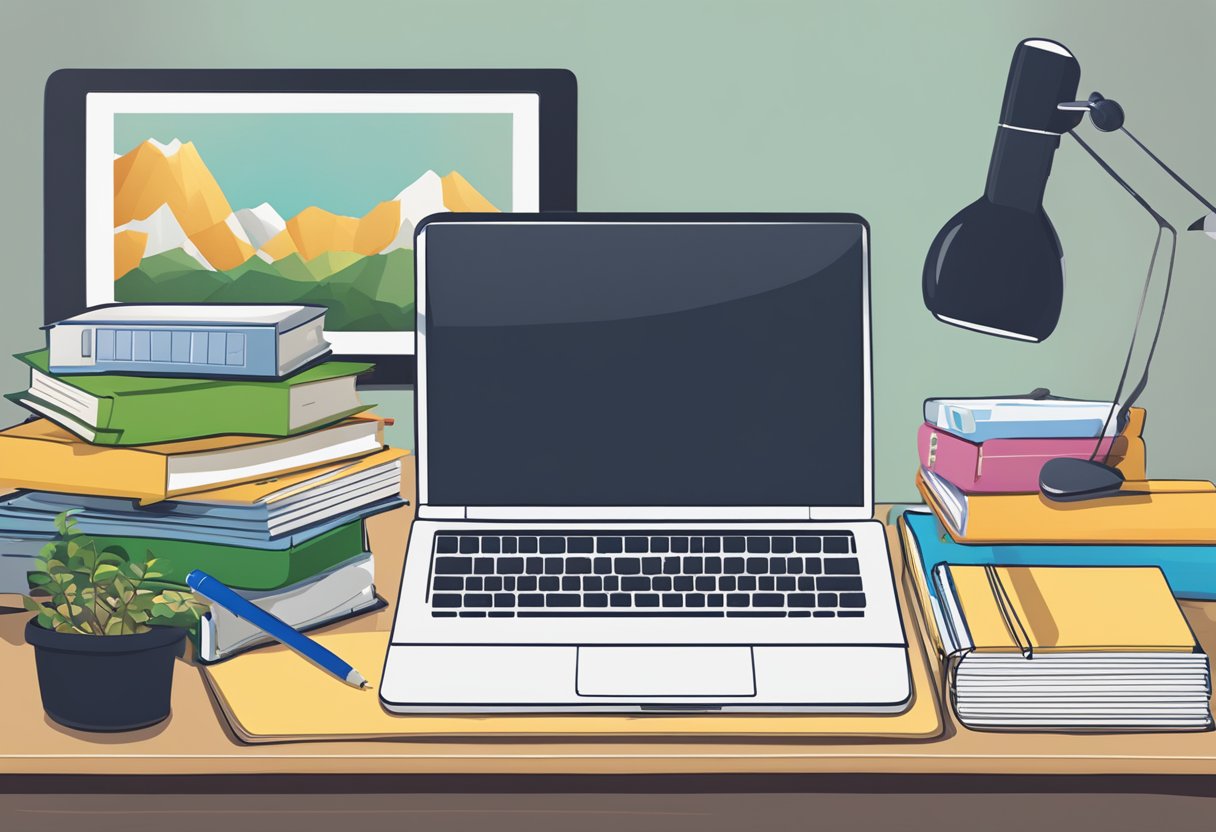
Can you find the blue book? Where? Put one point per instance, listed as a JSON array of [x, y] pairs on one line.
[[1189, 570], [246, 341]]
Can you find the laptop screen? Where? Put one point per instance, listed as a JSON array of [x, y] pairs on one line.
[[644, 364]]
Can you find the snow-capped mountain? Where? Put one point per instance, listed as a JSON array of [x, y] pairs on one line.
[[260, 224], [421, 198], [164, 234]]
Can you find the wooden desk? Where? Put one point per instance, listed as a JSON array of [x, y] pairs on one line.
[[196, 741]]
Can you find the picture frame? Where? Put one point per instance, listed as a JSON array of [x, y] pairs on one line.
[[542, 104]]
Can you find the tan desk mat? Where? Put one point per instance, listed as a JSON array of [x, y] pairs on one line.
[[272, 695]]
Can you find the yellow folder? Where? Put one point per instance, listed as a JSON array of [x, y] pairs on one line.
[[1058, 609], [41, 455], [1148, 511]]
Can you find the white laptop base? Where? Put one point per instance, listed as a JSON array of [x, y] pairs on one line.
[[612, 663]]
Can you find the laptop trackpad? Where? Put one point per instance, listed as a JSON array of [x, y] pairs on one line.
[[665, 671]]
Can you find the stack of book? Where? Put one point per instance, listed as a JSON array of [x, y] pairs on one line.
[[215, 437], [987, 525]]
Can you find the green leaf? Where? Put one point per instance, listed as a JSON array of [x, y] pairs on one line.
[[37, 578], [104, 572]]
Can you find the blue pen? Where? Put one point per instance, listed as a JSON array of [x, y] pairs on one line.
[[210, 588]]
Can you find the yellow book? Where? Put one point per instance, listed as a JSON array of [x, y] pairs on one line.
[[41, 455], [1147, 511], [1042, 609]]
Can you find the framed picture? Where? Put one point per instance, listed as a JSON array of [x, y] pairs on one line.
[[289, 186]]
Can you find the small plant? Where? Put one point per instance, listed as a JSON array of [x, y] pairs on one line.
[[103, 592]]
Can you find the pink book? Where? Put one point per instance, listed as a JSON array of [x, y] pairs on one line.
[[1008, 466]]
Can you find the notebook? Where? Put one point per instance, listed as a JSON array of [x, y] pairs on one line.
[[1070, 648]]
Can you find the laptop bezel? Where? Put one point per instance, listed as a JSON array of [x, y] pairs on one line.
[[426, 510]]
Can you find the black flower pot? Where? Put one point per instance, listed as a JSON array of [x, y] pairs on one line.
[[105, 683]]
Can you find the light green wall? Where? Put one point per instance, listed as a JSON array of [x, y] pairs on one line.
[[887, 109]]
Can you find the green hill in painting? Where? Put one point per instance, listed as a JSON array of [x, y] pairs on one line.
[[364, 294]]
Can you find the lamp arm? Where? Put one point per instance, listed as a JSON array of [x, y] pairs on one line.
[[1169, 170], [1163, 227]]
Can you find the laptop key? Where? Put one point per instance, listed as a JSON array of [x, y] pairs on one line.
[[766, 583], [706, 583], [738, 600], [828, 599], [621, 599], [635, 584], [757, 613], [508, 583], [808, 545], [473, 583], [712, 545], [842, 566], [673, 599], [757, 545], [695, 545], [776, 566], [768, 599], [693, 566], [637, 545], [549, 583], [447, 545], [595, 600], [469, 546], [683, 583], [553, 566], [747, 583], [853, 599], [504, 599], [652, 566], [491, 545], [483, 566], [812, 566], [438, 600], [713, 565], [535, 566], [679, 545], [527, 545], [510, 566], [836, 545], [603, 566], [609, 545], [580, 545], [578, 566], [727, 583], [714, 600], [593, 583], [559, 599], [786, 584], [694, 599], [732, 566], [783, 545], [645, 599], [509, 545], [572, 583], [532, 599], [659, 545], [448, 583], [526, 583], [478, 599], [661, 583], [553, 545], [612, 583], [734, 544], [801, 599], [850, 583], [492, 583], [628, 566], [453, 566]]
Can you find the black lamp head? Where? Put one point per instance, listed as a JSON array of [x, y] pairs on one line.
[[997, 267]]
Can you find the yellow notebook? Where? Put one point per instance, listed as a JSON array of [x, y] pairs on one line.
[[278, 488], [1150, 511], [272, 695], [41, 455], [1076, 609]]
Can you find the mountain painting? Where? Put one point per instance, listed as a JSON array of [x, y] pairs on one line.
[[179, 237]]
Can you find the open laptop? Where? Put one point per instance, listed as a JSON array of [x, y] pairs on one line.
[[644, 470]]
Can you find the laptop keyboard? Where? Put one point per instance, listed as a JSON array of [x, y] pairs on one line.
[[761, 574]]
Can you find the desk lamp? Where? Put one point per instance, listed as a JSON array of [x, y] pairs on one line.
[[997, 267]]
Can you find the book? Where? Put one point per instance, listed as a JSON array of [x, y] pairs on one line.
[[17, 557], [251, 340], [1013, 465], [1149, 511], [1189, 570], [1070, 648], [243, 567], [143, 410], [980, 420], [41, 456], [345, 589], [272, 513]]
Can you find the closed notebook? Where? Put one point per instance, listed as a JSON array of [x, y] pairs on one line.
[[1013, 465], [42, 456], [1152, 511], [1070, 648], [141, 410], [1021, 417], [270, 513]]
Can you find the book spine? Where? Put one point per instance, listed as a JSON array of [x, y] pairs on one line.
[[152, 349], [42, 465]]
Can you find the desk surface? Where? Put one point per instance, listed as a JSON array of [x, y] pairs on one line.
[[196, 740]]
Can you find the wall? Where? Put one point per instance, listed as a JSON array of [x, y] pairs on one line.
[[885, 109]]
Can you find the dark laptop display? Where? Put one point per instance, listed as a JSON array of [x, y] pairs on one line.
[[621, 364]]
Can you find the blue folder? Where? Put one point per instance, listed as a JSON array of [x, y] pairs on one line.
[[1190, 570]]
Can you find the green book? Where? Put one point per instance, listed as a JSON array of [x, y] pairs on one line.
[[141, 410], [243, 567]]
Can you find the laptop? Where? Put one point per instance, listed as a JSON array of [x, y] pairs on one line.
[[644, 470]]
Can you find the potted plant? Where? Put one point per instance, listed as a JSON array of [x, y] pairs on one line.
[[106, 632]]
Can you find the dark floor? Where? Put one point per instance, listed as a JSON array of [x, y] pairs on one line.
[[857, 804]]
